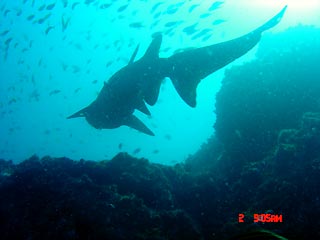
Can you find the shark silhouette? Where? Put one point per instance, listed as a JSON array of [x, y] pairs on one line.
[[139, 82]]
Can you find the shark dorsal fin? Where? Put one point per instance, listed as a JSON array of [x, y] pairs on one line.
[[154, 47], [134, 55]]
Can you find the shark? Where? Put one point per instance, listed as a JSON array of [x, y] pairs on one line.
[[137, 84]]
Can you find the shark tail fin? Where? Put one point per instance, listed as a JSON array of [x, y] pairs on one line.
[[133, 122], [273, 21], [80, 113], [186, 69]]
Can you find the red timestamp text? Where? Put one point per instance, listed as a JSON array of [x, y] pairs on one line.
[[262, 217]]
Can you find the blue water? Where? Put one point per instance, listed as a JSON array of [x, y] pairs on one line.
[[55, 58]]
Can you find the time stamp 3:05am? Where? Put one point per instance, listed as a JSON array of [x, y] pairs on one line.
[[262, 217]]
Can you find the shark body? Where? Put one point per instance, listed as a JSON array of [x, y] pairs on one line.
[[139, 82]]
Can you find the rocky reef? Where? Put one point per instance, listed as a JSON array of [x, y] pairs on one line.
[[271, 93], [264, 158]]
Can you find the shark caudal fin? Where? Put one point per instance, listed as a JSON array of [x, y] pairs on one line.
[[187, 68], [272, 22], [133, 122]]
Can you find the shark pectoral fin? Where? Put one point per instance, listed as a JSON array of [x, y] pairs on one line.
[[80, 113], [133, 122], [187, 89], [143, 108], [134, 55]]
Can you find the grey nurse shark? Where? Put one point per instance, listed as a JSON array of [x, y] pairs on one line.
[[139, 82]]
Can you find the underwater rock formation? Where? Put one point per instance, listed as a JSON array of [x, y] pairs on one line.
[[125, 198], [272, 92], [129, 198]]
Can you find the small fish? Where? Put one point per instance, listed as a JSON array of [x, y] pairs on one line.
[[122, 8], [205, 15], [13, 100], [8, 41], [109, 63], [137, 150], [64, 66], [155, 151], [76, 69], [48, 29], [171, 24], [194, 6], [11, 88], [65, 3], [154, 8], [74, 5], [53, 92], [42, 20], [157, 15], [190, 29], [218, 21], [120, 146], [41, 7], [94, 81], [50, 6], [4, 33], [172, 9], [89, 1], [168, 136], [215, 5], [201, 33], [33, 80], [205, 38], [64, 23], [169, 32], [77, 90], [6, 12], [78, 46], [105, 6], [30, 17], [47, 132], [19, 12], [136, 25]]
